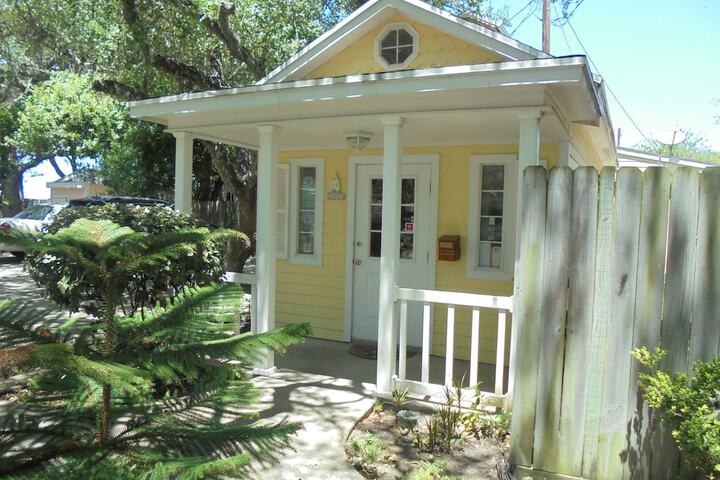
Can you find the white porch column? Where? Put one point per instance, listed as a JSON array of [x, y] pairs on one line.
[[183, 171], [528, 154], [389, 251], [265, 238]]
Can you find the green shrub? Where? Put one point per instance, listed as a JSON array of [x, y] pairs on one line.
[[429, 471], [368, 449], [66, 281], [690, 405]]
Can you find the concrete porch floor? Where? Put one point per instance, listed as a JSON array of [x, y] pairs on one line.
[[326, 388]]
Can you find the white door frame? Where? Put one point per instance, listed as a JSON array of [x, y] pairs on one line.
[[353, 162]]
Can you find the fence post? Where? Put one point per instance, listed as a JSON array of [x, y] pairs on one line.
[[526, 319]]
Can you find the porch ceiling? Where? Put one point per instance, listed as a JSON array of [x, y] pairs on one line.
[[465, 127]]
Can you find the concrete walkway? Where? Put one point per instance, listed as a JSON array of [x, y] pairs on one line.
[[328, 407]]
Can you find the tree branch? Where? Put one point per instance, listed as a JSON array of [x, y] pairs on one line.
[[118, 90], [24, 167], [222, 29], [55, 165]]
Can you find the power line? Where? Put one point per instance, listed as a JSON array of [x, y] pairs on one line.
[[521, 10], [523, 21], [562, 30], [634, 123]]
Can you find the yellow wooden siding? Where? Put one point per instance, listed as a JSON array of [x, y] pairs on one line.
[[437, 49], [316, 294]]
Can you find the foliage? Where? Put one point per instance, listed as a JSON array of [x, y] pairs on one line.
[[368, 449], [429, 471], [694, 147], [689, 404], [140, 393], [69, 284], [443, 429], [64, 117], [377, 406], [400, 397]]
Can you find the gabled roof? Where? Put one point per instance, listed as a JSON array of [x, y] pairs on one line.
[[372, 13]]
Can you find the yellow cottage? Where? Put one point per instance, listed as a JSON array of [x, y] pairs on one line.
[[390, 152]]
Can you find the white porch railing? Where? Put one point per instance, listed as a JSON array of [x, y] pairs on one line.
[[247, 279], [451, 299]]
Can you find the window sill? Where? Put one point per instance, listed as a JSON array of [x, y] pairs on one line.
[[489, 274]]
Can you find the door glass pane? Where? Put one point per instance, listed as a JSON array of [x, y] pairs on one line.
[[491, 229], [407, 217], [492, 203], [306, 211], [490, 254]]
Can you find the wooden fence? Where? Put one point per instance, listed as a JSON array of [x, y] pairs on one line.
[[217, 213], [609, 262]]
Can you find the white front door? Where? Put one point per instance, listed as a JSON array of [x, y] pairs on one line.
[[416, 240]]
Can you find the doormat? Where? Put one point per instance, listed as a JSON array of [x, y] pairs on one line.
[[369, 351]]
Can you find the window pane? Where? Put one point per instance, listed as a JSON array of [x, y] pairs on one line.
[[306, 243], [490, 255], [491, 204], [306, 211], [493, 177], [403, 54], [307, 177], [407, 245], [375, 240], [408, 190], [376, 217], [390, 55], [491, 229], [376, 189], [404, 38], [390, 40]]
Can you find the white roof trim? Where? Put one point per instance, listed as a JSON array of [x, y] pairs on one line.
[[552, 70], [631, 155], [359, 22]]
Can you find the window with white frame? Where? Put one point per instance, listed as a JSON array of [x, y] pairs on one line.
[[491, 221], [396, 45], [306, 210]]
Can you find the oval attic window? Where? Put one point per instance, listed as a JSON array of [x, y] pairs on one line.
[[397, 46]]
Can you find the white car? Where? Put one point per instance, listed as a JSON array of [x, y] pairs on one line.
[[32, 219]]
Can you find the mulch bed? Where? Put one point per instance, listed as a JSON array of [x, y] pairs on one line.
[[475, 458]]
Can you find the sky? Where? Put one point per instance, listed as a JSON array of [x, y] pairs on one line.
[[661, 59]]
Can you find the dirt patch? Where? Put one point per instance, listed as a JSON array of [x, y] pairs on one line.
[[473, 457]]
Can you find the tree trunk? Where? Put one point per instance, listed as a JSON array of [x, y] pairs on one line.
[[11, 193]]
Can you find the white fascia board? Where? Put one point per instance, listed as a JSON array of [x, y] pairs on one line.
[[360, 22], [631, 155], [521, 73]]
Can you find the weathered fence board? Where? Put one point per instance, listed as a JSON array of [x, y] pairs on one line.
[[527, 312], [613, 430], [552, 329], [641, 258], [705, 328], [601, 311], [677, 300], [579, 319]]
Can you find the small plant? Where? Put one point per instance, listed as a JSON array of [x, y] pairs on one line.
[[690, 405], [400, 397], [377, 406], [368, 449], [429, 471], [443, 428], [495, 426]]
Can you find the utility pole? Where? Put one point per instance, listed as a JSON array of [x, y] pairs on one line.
[[546, 26]]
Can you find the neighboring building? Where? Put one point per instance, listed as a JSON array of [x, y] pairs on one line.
[[452, 111], [629, 157], [79, 184]]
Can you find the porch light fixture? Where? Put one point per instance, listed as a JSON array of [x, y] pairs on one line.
[[358, 140]]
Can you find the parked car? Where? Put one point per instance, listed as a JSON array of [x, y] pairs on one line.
[[32, 219]]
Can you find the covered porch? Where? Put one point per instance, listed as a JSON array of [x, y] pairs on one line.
[[502, 108]]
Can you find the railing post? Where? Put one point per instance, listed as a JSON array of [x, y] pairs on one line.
[[403, 340], [450, 346], [500, 353], [474, 346], [425, 369]]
